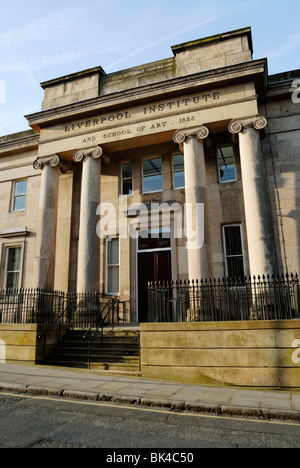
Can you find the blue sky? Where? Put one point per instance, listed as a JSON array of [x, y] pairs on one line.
[[44, 40]]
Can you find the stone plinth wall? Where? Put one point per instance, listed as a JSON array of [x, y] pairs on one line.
[[20, 343], [250, 354]]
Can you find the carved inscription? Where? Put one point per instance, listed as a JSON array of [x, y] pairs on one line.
[[180, 103], [97, 122], [165, 108]]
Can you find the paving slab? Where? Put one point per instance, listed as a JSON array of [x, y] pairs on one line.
[[100, 386], [296, 402]]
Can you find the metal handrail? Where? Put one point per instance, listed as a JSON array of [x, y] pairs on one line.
[[111, 304], [43, 335]]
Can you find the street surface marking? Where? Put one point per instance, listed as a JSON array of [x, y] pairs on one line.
[[149, 410]]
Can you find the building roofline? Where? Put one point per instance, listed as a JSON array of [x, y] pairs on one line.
[[216, 38], [176, 49], [284, 76], [18, 136], [172, 86], [19, 142], [73, 76]]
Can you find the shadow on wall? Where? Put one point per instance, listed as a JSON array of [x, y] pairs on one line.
[[2, 352], [295, 215], [285, 169]]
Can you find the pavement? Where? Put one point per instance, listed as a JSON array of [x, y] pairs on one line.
[[133, 390]]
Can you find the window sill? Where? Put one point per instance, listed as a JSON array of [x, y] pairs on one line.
[[17, 211], [155, 191], [227, 182]]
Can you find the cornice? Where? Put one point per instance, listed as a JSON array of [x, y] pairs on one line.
[[154, 91], [19, 144]]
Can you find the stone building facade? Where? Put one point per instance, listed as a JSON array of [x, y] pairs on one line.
[[101, 194]]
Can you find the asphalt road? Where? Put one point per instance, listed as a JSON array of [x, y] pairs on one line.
[[41, 422]]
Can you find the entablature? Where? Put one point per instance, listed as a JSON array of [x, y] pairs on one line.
[[254, 70]]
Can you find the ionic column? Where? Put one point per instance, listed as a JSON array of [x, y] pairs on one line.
[[88, 268], [44, 264], [260, 234], [197, 219]]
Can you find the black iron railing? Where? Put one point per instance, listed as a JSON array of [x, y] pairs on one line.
[[30, 306], [107, 315], [60, 320], [261, 298], [35, 306]]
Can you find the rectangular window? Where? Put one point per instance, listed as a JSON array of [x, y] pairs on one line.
[[19, 195], [234, 254], [178, 170], [127, 179], [155, 239], [152, 175], [113, 267], [226, 164], [12, 267]]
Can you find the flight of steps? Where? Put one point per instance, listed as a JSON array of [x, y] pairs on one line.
[[120, 351]]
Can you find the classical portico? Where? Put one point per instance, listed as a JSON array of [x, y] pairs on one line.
[[146, 122], [262, 258]]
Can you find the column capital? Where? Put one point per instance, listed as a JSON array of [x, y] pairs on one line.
[[96, 152], [54, 161], [258, 122], [200, 133]]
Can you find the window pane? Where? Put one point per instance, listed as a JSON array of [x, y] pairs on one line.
[[113, 280], [19, 203], [178, 169], [113, 252], [234, 252], [13, 267], [21, 187], [151, 244], [152, 166], [127, 187], [12, 280], [153, 183], [227, 173], [127, 171], [178, 162], [13, 259], [179, 180], [233, 240], [235, 267], [156, 239], [226, 163]]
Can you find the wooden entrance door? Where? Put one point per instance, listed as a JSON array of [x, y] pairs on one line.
[[152, 266]]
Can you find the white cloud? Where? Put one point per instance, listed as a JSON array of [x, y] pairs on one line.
[[34, 65], [54, 26], [37, 30]]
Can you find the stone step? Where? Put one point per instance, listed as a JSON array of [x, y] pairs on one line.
[[98, 342], [116, 367], [95, 359], [99, 366], [119, 352], [127, 350], [106, 333]]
